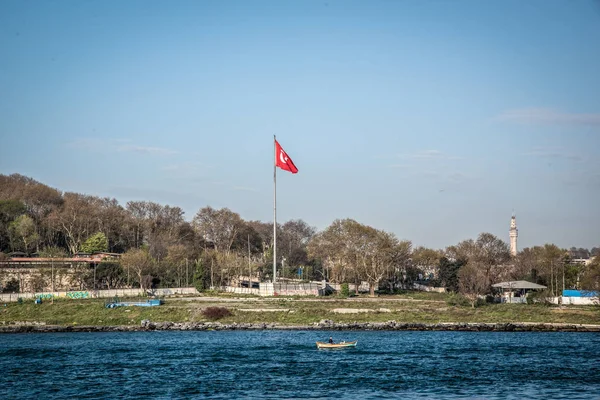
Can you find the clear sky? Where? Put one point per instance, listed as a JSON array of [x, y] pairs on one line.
[[430, 119]]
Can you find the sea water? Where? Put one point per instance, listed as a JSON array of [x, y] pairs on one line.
[[287, 364]]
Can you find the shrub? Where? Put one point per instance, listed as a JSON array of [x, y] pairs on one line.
[[455, 299], [345, 290], [215, 313], [543, 297]]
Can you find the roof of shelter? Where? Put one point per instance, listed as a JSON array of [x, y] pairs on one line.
[[518, 285]]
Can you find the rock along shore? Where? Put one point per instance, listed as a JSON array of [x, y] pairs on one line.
[[322, 325]]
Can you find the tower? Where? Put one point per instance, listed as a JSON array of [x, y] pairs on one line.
[[513, 232]]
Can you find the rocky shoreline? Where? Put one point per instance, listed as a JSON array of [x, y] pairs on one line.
[[322, 325]]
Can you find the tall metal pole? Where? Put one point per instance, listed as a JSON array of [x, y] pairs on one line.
[[249, 267], [563, 276], [52, 268], [274, 210]]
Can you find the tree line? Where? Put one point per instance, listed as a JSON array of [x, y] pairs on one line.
[[217, 247]]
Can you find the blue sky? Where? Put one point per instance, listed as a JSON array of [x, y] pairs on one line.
[[430, 119]]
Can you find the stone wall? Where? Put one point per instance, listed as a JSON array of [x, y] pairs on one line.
[[325, 325], [94, 294], [40, 279]]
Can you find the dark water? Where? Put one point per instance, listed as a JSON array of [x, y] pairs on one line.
[[284, 364]]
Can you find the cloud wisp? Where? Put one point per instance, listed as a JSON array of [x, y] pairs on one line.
[[244, 189], [120, 145], [548, 116], [146, 150], [429, 155], [553, 153]]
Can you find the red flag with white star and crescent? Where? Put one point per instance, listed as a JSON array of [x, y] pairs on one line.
[[282, 160]]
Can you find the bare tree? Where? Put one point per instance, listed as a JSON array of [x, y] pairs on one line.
[[336, 248], [472, 282], [140, 263], [387, 255], [220, 227], [155, 225], [551, 263], [76, 219], [426, 260], [526, 265], [355, 251], [487, 252], [175, 260]]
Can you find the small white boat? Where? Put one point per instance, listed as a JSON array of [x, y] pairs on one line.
[[340, 345]]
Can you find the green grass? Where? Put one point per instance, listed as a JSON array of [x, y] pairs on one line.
[[415, 307]]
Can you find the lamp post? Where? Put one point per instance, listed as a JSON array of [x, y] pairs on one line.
[[52, 271], [249, 268]]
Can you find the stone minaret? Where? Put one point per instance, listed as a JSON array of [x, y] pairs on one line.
[[513, 235]]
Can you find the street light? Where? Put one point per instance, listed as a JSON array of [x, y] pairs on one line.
[[52, 269]]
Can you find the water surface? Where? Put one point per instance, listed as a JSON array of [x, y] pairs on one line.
[[282, 364]]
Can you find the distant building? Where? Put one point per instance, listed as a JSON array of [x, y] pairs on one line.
[[582, 261], [513, 232]]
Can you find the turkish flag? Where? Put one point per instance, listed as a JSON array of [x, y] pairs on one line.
[[282, 160]]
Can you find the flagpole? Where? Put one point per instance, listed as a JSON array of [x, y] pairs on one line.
[[274, 210]]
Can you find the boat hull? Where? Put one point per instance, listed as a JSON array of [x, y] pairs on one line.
[[342, 345]]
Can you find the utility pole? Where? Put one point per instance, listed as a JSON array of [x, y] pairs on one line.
[[187, 274], [563, 277], [212, 284], [249, 268], [52, 271]]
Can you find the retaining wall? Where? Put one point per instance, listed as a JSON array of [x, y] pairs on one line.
[[92, 294], [581, 301]]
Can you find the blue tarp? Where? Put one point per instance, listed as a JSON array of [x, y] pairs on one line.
[[579, 293]]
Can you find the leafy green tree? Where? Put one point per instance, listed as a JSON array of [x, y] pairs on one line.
[[53, 252], [11, 286], [200, 276], [448, 273], [110, 275], [95, 243], [23, 233], [590, 279], [345, 290], [9, 210]]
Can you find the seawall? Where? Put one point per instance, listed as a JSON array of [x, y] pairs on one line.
[[322, 325]]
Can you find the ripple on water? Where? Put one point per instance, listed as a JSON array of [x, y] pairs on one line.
[[282, 364]]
